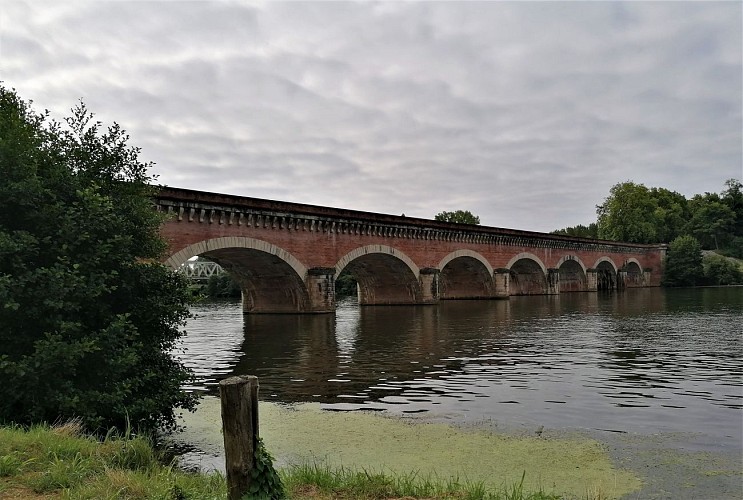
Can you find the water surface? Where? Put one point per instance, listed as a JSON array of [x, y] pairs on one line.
[[639, 361]]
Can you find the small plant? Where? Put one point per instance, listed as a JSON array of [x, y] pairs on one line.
[[265, 481], [10, 465]]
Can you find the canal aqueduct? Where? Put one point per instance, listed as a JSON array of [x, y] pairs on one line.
[[286, 256]]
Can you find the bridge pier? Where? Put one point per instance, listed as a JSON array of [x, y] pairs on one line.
[[502, 280], [321, 288], [429, 281], [646, 277], [622, 276], [592, 280], [553, 281]]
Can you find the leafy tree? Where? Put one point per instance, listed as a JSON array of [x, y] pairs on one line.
[[732, 196], [580, 231], [628, 214], [671, 214], [683, 263], [460, 217], [89, 317], [711, 220], [719, 270]]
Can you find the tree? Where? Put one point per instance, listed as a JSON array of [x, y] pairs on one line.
[[628, 214], [733, 198], [89, 317], [683, 263], [711, 220], [221, 286], [580, 231], [670, 215], [460, 217]]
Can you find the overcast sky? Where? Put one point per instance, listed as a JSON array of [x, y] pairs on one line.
[[524, 113]]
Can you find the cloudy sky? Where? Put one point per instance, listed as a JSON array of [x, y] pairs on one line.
[[524, 113]]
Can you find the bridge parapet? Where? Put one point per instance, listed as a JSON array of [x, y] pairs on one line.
[[212, 208]]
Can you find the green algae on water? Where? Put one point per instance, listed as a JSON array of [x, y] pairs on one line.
[[574, 467]]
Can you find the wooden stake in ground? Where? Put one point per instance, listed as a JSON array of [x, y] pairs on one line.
[[239, 396]]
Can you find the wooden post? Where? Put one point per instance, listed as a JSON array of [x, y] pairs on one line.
[[239, 396]]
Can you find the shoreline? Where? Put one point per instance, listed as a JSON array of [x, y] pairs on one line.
[[572, 466], [569, 462]]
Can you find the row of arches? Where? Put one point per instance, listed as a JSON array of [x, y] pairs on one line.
[[274, 280]]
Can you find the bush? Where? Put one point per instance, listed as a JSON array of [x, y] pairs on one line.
[[719, 270], [222, 286], [88, 315], [683, 263]]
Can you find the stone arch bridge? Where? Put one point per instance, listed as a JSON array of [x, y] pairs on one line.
[[286, 256]]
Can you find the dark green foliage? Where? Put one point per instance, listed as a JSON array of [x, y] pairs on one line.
[[345, 286], [670, 215], [719, 270], [734, 247], [683, 263], [628, 214], [265, 483], [459, 216], [88, 315], [636, 214], [222, 286], [580, 231], [712, 221]]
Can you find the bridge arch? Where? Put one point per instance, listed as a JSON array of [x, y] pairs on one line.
[[607, 261], [384, 275], [465, 253], [632, 274], [202, 247], [528, 275], [376, 249], [606, 274], [465, 274], [272, 280], [528, 256], [572, 272]]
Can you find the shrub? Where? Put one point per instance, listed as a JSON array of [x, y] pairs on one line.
[[719, 270], [683, 263], [88, 314]]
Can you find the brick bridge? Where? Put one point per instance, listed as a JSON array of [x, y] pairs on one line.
[[286, 256]]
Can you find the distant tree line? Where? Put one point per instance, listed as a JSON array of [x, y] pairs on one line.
[[709, 221]]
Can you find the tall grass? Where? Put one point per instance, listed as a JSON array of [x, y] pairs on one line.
[[61, 462], [324, 482]]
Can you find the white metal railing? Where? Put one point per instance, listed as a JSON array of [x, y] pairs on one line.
[[200, 270]]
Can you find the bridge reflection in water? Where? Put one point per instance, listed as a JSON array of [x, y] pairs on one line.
[[287, 256], [643, 360]]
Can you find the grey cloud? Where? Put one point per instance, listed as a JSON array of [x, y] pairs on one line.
[[524, 113]]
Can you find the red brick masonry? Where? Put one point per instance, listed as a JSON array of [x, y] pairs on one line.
[[287, 255]]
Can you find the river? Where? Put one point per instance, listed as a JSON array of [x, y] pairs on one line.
[[642, 362]]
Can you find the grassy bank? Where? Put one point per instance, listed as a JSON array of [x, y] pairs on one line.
[[60, 462]]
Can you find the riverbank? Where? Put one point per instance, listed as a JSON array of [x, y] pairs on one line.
[[570, 467], [60, 462]]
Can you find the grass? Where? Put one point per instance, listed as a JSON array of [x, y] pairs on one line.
[[62, 463], [313, 481]]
